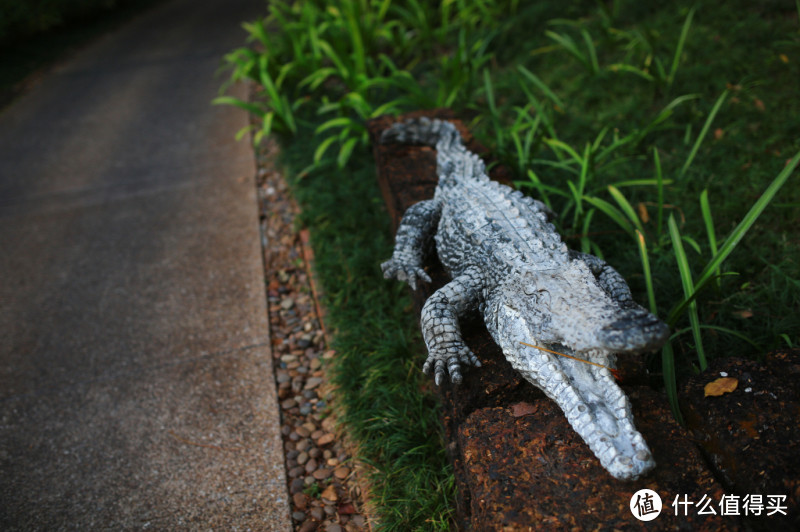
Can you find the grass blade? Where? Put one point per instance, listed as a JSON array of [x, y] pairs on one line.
[[688, 290], [705, 208], [703, 132], [670, 381], [679, 49], [541, 85], [648, 278]]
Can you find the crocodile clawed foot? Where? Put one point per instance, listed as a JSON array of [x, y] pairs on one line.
[[404, 272], [451, 357]]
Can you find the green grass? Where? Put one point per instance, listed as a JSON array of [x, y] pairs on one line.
[[664, 136]]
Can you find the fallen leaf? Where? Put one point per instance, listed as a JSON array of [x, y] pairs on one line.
[[784, 58], [719, 133], [522, 409], [330, 493], [744, 314], [721, 386], [346, 509]]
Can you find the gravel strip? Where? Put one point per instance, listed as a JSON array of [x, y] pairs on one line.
[[321, 474]]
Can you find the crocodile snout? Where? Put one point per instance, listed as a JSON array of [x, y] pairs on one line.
[[634, 332]]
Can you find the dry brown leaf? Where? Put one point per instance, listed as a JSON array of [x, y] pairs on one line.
[[744, 314], [330, 493], [522, 409], [721, 386]]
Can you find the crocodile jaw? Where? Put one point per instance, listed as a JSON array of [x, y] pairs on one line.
[[594, 405]]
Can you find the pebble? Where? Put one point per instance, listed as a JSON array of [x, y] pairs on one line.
[[333, 527], [296, 472], [325, 439], [298, 516], [300, 500], [313, 382], [289, 403], [318, 514], [302, 431], [287, 303], [321, 474], [311, 466], [341, 472], [296, 485], [302, 445], [302, 458], [308, 526]]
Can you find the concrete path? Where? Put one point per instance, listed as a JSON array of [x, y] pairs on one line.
[[136, 388]]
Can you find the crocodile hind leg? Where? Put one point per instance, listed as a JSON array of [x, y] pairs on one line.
[[413, 239], [440, 329]]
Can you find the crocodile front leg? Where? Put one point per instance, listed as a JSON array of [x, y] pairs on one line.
[[440, 327], [412, 240]]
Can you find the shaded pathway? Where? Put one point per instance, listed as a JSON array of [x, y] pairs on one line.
[[135, 377]]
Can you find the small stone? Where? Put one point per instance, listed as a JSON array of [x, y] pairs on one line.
[[315, 364], [296, 485], [333, 527], [305, 409], [300, 500], [303, 432], [341, 472], [317, 513], [309, 426], [329, 510], [311, 466], [317, 434], [288, 358], [313, 382], [325, 439], [327, 454], [358, 520], [288, 403], [287, 303], [314, 452], [298, 516], [303, 445], [321, 474], [302, 458], [331, 462], [309, 480], [297, 472], [327, 355], [308, 526]]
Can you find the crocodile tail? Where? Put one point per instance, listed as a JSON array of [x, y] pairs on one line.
[[423, 130]]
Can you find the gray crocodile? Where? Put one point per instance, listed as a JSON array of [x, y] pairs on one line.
[[507, 260]]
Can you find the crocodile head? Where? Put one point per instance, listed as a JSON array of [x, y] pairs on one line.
[[567, 311]]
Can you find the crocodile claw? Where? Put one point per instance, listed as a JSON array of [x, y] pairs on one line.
[[452, 358], [404, 272]]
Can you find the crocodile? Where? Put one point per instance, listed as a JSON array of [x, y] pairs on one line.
[[507, 260]]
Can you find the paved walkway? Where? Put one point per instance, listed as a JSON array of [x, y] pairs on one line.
[[136, 388]]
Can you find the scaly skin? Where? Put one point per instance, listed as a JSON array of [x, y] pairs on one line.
[[506, 259]]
